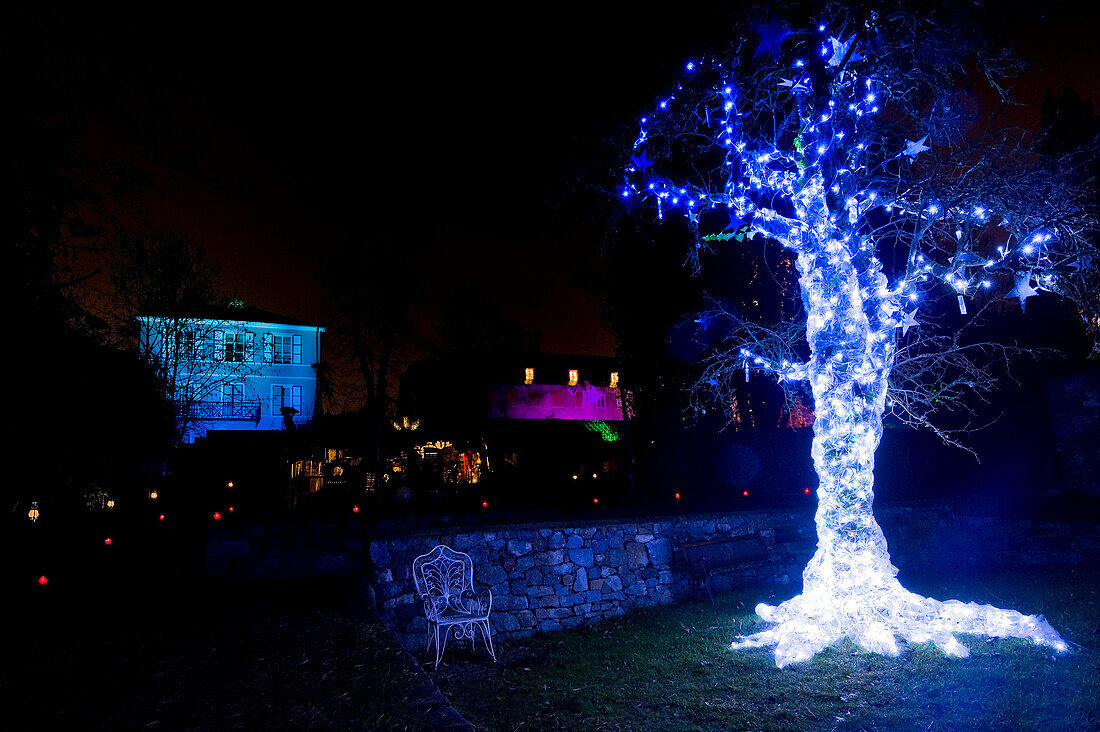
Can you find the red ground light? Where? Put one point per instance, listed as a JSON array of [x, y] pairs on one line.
[[744, 493], [484, 504], [43, 580], [355, 509], [806, 491], [107, 541], [595, 500], [161, 517], [217, 515], [677, 496]]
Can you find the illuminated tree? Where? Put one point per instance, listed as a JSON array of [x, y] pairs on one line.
[[857, 145]]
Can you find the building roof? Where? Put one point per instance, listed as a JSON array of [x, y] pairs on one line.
[[241, 313]]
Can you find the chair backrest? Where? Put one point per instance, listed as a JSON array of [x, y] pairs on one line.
[[443, 572]]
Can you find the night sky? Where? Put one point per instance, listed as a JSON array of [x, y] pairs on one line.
[[462, 132]]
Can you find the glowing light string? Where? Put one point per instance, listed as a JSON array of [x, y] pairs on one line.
[[826, 191]]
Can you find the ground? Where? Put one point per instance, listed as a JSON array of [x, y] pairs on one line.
[[204, 654], [213, 655], [673, 669]]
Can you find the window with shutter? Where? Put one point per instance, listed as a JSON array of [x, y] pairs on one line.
[[297, 349], [218, 346], [269, 347], [296, 397]]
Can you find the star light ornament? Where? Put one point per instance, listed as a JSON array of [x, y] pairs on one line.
[[796, 172], [908, 320], [913, 149], [1023, 290]]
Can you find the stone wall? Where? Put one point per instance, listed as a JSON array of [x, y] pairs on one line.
[[548, 577]]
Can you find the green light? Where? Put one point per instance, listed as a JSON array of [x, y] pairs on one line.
[[606, 432]]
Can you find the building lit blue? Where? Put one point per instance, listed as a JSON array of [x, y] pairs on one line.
[[235, 368]]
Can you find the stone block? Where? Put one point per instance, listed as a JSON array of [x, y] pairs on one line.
[[490, 575], [580, 583], [616, 557], [509, 602], [518, 548], [539, 591], [548, 624], [637, 556], [505, 622], [526, 618], [660, 551], [582, 557], [556, 540], [574, 542], [379, 554], [612, 584]]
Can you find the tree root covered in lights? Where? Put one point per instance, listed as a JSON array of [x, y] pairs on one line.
[[808, 623]]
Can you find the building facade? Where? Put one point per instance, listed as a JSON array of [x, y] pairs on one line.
[[241, 368]]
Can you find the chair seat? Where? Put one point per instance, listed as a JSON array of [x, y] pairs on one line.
[[453, 617], [460, 610]]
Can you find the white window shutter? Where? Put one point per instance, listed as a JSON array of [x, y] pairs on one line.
[[250, 346], [296, 397], [296, 346], [219, 345], [269, 347]]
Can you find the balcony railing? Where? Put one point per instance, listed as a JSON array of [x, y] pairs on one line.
[[248, 409]]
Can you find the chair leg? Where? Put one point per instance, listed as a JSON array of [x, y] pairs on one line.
[[709, 593], [440, 646], [488, 638]]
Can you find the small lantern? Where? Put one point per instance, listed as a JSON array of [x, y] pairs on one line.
[[152, 495], [111, 503], [33, 514]]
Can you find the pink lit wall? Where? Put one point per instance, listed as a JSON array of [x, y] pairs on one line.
[[554, 401]]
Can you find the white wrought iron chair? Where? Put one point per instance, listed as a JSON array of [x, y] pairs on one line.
[[445, 582]]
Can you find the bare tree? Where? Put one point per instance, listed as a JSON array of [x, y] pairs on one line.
[[170, 304], [856, 145]]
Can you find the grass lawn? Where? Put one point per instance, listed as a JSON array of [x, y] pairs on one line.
[[672, 668]]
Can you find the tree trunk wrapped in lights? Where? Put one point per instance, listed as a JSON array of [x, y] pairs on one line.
[[840, 144]]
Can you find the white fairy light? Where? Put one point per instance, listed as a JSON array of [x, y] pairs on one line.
[[853, 319]]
